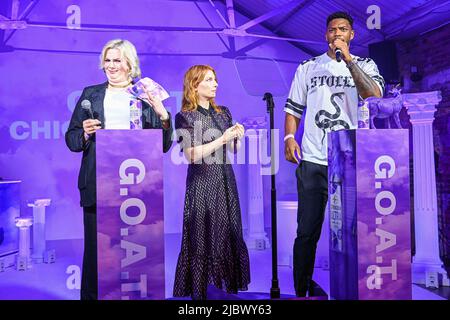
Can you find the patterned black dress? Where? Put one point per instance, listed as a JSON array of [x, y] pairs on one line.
[[213, 250]]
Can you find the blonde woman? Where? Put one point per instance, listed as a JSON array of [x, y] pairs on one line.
[[110, 106], [213, 251]]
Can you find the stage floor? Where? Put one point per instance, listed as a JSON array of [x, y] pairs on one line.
[[59, 280]]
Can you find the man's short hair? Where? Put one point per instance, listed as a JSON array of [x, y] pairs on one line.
[[340, 15]]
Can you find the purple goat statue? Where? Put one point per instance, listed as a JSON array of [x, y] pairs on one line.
[[385, 108]]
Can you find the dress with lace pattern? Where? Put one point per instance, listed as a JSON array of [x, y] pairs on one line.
[[213, 250]]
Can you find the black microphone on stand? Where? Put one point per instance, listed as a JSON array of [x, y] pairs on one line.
[[338, 53], [256, 84], [275, 289]]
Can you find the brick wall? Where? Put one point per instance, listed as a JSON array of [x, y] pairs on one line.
[[430, 54]]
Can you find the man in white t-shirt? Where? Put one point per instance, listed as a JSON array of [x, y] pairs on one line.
[[326, 93]]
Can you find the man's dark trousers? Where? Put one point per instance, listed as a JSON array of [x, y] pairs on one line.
[[312, 188]]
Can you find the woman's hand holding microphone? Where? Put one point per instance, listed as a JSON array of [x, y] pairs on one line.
[[90, 126]]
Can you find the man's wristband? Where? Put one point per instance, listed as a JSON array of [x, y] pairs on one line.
[[288, 136]]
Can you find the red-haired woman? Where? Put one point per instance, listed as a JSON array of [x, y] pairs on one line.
[[213, 251]]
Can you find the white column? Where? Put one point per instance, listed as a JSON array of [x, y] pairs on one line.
[[257, 236], [421, 108], [23, 258], [39, 229]]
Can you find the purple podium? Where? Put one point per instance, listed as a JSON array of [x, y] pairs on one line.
[[130, 219], [369, 205]]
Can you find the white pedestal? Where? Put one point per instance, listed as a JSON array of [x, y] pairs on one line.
[[286, 231], [39, 229], [257, 236], [23, 258]]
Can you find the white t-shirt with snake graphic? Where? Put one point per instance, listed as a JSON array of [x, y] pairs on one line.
[[323, 90]]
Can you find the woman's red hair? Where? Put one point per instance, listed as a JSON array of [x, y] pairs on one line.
[[192, 79]]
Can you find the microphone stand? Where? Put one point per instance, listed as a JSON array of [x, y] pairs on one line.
[[275, 289]]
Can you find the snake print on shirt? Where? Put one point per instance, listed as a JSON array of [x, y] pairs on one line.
[[329, 119]]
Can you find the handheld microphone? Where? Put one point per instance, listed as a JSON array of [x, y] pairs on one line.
[[338, 53], [86, 105]]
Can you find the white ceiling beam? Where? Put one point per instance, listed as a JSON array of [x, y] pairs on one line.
[[28, 9], [15, 9], [276, 28], [210, 23], [284, 8], [219, 14], [230, 12]]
